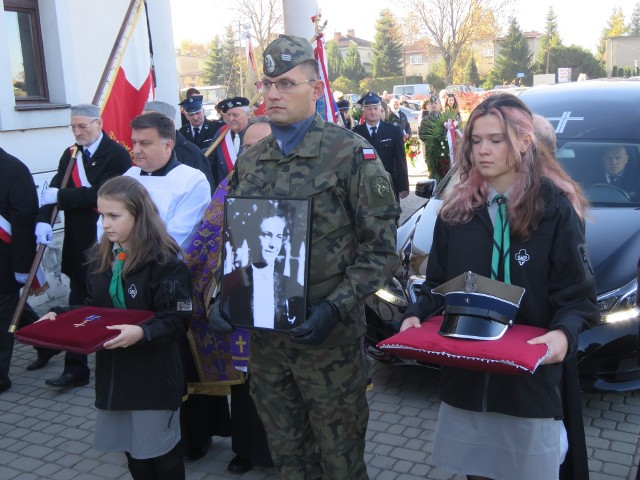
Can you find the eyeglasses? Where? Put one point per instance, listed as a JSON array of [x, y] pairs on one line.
[[281, 85], [83, 126]]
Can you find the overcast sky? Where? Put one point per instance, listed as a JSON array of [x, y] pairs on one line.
[[580, 22]]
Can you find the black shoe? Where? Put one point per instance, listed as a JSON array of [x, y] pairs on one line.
[[239, 465], [4, 387], [38, 363], [67, 380], [194, 454]]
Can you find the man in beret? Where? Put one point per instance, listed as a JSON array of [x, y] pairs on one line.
[[200, 129], [98, 158], [186, 152], [309, 383], [386, 138], [236, 113]]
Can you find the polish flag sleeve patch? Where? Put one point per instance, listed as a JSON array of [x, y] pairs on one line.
[[369, 154]]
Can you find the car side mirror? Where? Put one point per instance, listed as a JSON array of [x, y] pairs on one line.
[[425, 188]]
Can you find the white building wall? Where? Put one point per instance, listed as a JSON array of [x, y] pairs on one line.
[[78, 36]]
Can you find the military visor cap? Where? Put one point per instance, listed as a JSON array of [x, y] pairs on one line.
[[284, 53], [192, 104], [370, 98], [478, 307]]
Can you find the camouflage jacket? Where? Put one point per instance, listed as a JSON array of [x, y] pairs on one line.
[[353, 229]]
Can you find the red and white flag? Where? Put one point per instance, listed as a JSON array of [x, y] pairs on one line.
[[326, 105], [130, 82]]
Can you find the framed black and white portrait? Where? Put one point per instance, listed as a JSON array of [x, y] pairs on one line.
[[265, 259]]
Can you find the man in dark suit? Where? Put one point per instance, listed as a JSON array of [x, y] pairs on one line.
[[186, 152], [200, 130], [236, 113], [98, 159], [18, 208], [387, 140], [619, 171]]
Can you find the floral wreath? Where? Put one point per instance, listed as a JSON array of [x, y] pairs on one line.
[[433, 133]]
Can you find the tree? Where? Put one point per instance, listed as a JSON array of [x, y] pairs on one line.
[[344, 85], [578, 59], [230, 62], [352, 65], [614, 28], [334, 59], [453, 24], [188, 47], [265, 19], [213, 72], [634, 24], [386, 55], [471, 76], [514, 57], [550, 39]]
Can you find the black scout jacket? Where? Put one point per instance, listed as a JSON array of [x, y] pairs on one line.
[[553, 266]]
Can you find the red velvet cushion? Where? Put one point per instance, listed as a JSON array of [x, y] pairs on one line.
[[65, 332], [509, 354]]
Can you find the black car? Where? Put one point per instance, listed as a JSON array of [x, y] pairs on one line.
[[592, 119]]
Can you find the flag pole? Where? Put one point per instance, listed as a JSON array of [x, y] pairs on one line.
[[26, 289], [114, 51]]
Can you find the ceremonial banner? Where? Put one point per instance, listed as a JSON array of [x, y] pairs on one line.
[[326, 105], [129, 82]]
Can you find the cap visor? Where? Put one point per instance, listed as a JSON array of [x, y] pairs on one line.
[[472, 328]]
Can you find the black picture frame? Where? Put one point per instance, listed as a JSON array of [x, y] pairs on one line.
[[265, 255]]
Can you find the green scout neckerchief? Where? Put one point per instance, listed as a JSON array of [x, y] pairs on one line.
[[115, 287], [501, 241]]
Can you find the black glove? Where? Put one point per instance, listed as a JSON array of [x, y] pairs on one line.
[[315, 330], [217, 323]]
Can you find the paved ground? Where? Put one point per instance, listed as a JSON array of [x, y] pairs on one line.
[[46, 433]]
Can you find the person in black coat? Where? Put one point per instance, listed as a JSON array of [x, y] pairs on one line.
[[517, 419], [18, 209], [139, 374], [186, 152], [98, 159], [200, 130], [387, 141], [236, 113], [620, 171]]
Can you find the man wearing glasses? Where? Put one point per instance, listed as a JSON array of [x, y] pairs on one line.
[[98, 158], [309, 383]]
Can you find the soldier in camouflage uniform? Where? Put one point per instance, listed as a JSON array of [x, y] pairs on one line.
[[309, 384]]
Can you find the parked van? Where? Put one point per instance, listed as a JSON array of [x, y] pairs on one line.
[[410, 91]]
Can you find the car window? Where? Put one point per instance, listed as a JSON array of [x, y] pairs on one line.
[[609, 173]]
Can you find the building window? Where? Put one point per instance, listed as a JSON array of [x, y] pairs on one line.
[[22, 24], [415, 59]]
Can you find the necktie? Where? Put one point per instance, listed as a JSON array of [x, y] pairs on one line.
[[501, 241], [613, 180], [196, 134], [116, 291], [87, 155], [374, 134]]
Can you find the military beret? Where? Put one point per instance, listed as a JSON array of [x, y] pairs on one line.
[[370, 98], [229, 103], [192, 104], [433, 99], [284, 53], [160, 107], [85, 110]]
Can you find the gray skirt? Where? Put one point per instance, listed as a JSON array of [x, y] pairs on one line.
[[497, 446], [142, 433]]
